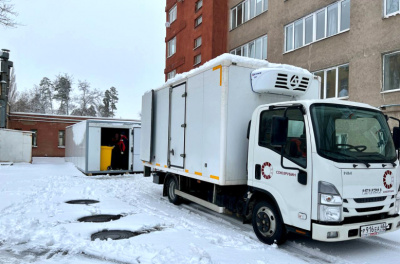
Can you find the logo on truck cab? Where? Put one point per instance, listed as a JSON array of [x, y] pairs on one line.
[[388, 179], [267, 170]]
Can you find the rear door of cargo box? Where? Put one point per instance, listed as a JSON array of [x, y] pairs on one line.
[[177, 108]]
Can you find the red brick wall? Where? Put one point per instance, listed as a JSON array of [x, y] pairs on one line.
[[213, 30], [47, 127]]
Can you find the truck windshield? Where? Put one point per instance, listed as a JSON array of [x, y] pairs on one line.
[[352, 134]]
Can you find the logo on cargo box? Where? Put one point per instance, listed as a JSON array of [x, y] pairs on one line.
[[388, 179], [267, 170]]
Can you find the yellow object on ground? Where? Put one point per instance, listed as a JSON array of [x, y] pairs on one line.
[[105, 157]]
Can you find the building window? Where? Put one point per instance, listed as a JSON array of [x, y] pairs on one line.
[[34, 137], [326, 22], [256, 49], [171, 74], [198, 5], [391, 7], [247, 10], [61, 138], [197, 59], [197, 42], [172, 14], [334, 82], [171, 47], [391, 71], [198, 21]]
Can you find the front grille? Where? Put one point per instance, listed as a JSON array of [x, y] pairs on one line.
[[366, 218], [369, 209], [370, 200]]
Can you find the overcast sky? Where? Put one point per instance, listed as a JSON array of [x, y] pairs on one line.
[[108, 43]]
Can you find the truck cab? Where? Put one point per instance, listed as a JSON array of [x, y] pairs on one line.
[[327, 169]]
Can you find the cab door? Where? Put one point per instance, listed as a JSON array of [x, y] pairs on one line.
[[293, 198]]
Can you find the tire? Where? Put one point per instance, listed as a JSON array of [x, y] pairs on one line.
[[172, 185], [267, 224]]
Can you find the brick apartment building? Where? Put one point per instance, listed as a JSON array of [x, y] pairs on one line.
[[353, 45], [196, 33], [48, 138]]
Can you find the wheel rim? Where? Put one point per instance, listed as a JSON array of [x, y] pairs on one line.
[[172, 187], [266, 222]]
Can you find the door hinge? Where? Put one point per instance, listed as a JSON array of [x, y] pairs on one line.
[[184, 95], [183, 125], [131, 149], [183, 155], [132, 132], [131, 167]]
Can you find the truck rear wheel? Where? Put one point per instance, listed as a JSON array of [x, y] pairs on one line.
[[267, 224], [172, 185]]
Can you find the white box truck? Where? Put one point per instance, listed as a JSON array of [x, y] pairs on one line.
[[85, 141], [252, 138]]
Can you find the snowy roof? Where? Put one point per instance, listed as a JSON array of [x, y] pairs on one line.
[[226, 60]]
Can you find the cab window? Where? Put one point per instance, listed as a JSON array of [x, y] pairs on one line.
[[295, 148]]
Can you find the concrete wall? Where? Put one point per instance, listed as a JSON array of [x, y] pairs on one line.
[[213, 31], [370, 36]]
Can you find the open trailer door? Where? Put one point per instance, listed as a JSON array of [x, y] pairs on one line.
[[147, 126]]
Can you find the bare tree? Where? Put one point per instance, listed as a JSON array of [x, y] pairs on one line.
[[7, 14]]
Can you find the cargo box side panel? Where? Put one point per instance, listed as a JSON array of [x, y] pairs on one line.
[[194, 128], [75, 147], [137, 163], [212, 124], [147, 125], [160, 128], [242, 102], [94, 148]]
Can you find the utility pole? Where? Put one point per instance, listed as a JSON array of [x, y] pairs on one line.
[[4, 85]]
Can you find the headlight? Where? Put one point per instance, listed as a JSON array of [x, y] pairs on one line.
[[330, 203], [331, 199], [330, 213]]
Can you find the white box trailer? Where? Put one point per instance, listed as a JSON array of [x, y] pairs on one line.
[[85, 139], [196, 124], [253, 138], [15, 146]]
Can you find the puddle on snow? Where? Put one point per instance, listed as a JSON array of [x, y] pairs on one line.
[[82, 201], [99, 218]]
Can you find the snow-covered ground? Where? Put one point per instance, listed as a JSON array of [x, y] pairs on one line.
[[37, 226]]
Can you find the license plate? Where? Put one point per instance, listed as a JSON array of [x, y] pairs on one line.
[[373, 230]]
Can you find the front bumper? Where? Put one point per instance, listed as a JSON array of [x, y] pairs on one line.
[[348, 231]]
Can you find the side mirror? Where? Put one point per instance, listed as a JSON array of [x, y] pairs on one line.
[[279, 130], [302, 177], [396, 137]]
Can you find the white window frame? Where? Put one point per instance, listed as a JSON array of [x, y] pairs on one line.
[[63, 139], [196, 45], [196, 21], [323, 96], [172, 11], [233, 51], [249, 17], [34, 137], [171, 74], [170, 53], [385, 15], [314, 15], [195, 59], [197, 8], [383, 73]]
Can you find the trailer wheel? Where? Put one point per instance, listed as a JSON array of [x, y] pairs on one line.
[[172, 185], [267, 224]]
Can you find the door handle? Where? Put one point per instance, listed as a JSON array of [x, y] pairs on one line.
[[172, 152], [258, 172]]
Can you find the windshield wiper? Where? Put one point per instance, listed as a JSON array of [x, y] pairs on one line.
[[381, 156], [346, 155]]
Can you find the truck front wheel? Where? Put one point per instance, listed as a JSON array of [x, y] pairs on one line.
[[172, 185], [268, 224]]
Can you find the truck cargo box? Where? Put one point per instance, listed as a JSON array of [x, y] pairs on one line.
[[84, 143], [194, 125]]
